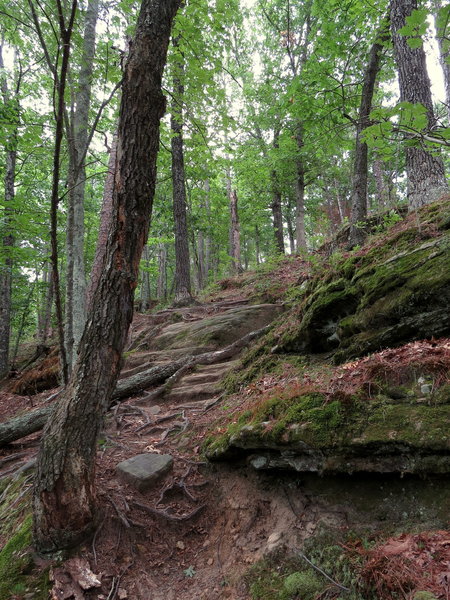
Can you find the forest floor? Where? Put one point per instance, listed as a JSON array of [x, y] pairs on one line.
[[201, 529]]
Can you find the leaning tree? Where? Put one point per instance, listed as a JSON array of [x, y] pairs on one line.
[[64, 500]]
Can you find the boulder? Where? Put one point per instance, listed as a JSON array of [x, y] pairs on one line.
[[216, 331], [143, 470], [394, 291]]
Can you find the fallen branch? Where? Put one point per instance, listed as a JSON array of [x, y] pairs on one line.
[[35, 420]]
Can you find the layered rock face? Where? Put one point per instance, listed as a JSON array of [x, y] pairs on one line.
[[392, 416]]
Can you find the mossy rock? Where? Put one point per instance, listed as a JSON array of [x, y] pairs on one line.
[[396, 292], [309, 433], [216, 331]]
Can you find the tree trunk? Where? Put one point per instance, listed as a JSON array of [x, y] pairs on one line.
[[64, 500], [44, 316], [161, 290], [75, 312], [106, 219], [300, 229], [235, 234], [144, 303], [208, 240], [424, 169], [277, 214], [360, 169], [6, 234], [183, 295]]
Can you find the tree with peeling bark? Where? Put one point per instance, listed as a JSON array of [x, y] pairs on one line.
[[64, 499], [424, 167]]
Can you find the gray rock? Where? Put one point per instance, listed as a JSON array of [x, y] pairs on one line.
[[143, 470]]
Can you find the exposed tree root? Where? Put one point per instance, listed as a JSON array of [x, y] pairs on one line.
[[35, 420]]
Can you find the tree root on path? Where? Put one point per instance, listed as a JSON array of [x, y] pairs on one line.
[[168, 516], [35, 420]]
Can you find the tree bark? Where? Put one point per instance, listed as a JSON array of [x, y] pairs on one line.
[[64, 500], [277, 214], [300, 228], [6, 229], [106, 219], [360, 168], [424, 169], [235, 234], [183, 294], [75, 307]]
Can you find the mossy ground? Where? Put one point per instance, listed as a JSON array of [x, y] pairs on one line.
[[18, 575]]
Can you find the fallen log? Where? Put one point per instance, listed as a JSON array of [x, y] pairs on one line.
[[33, 421]]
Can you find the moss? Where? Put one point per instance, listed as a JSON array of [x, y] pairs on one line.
[[303, 584], [424, 595], [17, 575]]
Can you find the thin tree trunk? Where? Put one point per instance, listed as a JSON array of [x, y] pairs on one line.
[[183, 293], [300, 229], [46, 311], [106, 219], [145, 281], [424, 168], [78, 140], [161, 292], [235, 234], [257, 245], [277, 214], [208, 240], [64, 500], [60, 83], [360, 169], [290, 226]]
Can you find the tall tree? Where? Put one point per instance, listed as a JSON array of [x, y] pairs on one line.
[[78, 139], [424, 168], [360, 169], [10, 102], [182, 261], [64, 500]]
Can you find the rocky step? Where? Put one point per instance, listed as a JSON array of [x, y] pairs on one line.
[[208, 374], [141, 361], [191, 393]]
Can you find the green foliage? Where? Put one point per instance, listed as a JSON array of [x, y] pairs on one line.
[[416, 26]]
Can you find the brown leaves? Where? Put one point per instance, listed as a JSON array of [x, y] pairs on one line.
[[403, 565]]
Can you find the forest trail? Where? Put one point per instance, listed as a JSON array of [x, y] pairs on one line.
[[149, 546], [198, 530]]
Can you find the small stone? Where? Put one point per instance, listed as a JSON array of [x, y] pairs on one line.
[[426, 388], [143, 470], [206, 543], [154, 410], [180, 545], [210, 561], [122, 594]]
